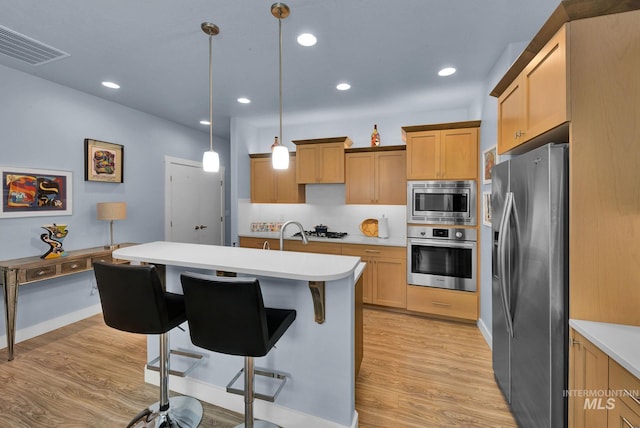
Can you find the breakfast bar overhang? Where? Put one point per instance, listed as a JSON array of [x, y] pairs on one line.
[[319, 356]]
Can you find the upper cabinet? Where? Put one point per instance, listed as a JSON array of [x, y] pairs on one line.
[[270, 185], [445, 151], [536, 101], [376, 175], [321, 160]]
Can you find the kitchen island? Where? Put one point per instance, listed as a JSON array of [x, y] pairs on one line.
[[319, 357]]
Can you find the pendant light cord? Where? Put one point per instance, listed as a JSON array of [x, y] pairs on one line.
[[280, 73], [210, 93]]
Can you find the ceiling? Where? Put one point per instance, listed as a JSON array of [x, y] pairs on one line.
[[156, 51]]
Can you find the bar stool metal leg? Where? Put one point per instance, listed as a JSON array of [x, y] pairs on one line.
[[175, 412], [249, 396]]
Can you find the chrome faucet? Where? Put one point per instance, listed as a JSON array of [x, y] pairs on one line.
[[305, 241]]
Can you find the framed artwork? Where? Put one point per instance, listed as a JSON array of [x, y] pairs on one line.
[[103, 161], [486, 208], [489, 160], [30, 192]]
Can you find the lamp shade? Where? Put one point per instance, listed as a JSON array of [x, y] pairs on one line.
[[211, 161], [111, 210], [280, 157]]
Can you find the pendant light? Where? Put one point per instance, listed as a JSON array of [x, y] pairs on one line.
[[210, 159], [280, 154]]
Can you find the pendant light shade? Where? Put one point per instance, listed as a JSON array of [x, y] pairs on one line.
[[210, 159], [280, 157], [280, 153]]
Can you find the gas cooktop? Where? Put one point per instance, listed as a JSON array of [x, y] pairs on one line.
[[330, 235]]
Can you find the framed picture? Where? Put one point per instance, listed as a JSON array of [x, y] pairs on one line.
[[486, 208], [489, 160], [103, 161], [30, 192]]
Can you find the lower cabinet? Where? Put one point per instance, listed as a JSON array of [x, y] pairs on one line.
[[442, 302], [260, 243], [385, 277], [602, 393]]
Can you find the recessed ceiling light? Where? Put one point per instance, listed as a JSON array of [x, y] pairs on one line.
[[447, 71], [243, 100], [205, 122], [343, 86], [307, 39], [111, 85]]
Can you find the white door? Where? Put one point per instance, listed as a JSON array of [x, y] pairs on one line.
[[195, 203]]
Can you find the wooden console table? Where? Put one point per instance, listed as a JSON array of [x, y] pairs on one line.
[[14, 273]]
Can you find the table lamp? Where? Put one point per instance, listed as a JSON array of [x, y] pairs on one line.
[[111, 211]]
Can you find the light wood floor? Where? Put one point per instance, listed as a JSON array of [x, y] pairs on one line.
[[416, 372]]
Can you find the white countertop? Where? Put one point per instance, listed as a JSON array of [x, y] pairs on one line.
[[349, 239], [278, 264], [619, 342]]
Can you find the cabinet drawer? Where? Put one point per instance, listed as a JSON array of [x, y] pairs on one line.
[[35, 274], [437, 301], [627, 385], [313, 247], [374, 251], [76, 265], [103, 259]]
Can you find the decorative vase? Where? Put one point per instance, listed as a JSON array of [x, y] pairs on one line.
[[54, 237]]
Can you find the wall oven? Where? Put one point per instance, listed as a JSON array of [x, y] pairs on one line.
[[441, 202], [442, 257]]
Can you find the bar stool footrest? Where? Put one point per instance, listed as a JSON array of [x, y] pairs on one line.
[[280, 377], [152, 365]]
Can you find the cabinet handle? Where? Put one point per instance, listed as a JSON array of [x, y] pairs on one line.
[[42, 272], [632, 396], [572, 342], [372, 251], [627, 423], [73, 266], [440, 304]]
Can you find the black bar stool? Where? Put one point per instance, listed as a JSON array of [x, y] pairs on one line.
[[134, 301], [227, 315]]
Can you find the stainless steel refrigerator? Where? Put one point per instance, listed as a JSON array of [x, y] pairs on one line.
[[529, 205]]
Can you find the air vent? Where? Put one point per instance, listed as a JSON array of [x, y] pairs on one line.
[[26, 49]]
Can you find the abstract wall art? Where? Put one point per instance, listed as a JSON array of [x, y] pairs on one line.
[[103, 161], [29, 192]]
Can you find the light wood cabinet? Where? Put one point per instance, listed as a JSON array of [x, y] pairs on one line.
[[589, 371], [443, 302], [321, 160], [270, 185], [624, 411], [259, 243], [376, 176], [313, 247], [385, 277], [537, 100], [444, 151]]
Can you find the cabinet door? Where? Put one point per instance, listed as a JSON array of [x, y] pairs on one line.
[[459, 154], [262, 181], [589, 371], [439, 301], [286, 188], [367, 280], [391, 177], [423, 155], [306, 168], [331, 163], [390, 282], [545, 83], [259, 243], [510, 112], [359, 178]]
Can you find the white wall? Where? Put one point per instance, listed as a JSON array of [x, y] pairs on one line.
[[488, 138], [43, 125]]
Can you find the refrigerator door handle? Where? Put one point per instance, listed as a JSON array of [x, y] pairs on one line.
[[502, 237]]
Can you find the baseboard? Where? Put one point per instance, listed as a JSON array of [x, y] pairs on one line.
[[52, 324], [485, 333], [264, 410]]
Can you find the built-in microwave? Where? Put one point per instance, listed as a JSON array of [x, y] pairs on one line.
[[441, 202]]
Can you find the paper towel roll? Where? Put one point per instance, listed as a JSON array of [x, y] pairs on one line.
[[383, 227]]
